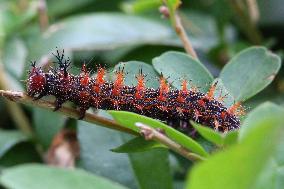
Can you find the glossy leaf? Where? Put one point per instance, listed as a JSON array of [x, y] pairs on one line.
[[222, 94], [209, 134], [9, 138], [132, 68], [240, 165], [33, 176], [138, 144], [100, 31], [152, 168], [231, 138], [258, 115], [176, 66], [20, 153], [47, 124], [249, 72], [129, 120], [95, 157], [14, 59], [140, 5]]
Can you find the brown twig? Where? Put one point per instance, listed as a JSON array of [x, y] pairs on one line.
[[183, 36], [246, 24], [253, 10], [177, 24], [21, 97], [152, 134], [148, 132], [43, 17]]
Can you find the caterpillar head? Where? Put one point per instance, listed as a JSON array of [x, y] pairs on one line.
[[36, 81]]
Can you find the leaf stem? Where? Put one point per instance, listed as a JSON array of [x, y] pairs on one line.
[[43, 16], [246, 23], [177, 25], [183, 36], [152, 134], [21, 97], [253, 10]]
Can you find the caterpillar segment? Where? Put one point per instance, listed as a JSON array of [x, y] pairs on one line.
[[172, 106]]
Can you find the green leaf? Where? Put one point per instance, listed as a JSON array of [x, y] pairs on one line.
[[202, 29], [132, 69], [8, 139], [64, 7], [249, 72], [33, 176], [231, 138], [137, 144], [14, 17], [47, 124], [24, 152], [129, 119], [177, 66], [280, 178], [239, 166], [220, 139], [152, 169], [221, 91], [14, 57], [172, 6], [140, 6], [96, 31], [209, 134], [257, 115], [95, 156], [268, 177]]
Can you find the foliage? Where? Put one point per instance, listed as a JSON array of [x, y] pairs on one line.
[[233, 52]]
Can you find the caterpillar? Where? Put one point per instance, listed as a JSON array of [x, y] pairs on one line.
[[172, 106]]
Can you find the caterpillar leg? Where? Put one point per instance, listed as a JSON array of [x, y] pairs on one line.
[[82, 113], [39, 96], [58, 104]]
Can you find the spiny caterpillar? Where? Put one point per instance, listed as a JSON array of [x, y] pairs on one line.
[[175, 107]]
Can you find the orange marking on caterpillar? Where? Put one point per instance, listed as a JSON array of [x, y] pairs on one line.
[[99, 80], [201, 102], [118, 83], [85, 76], [84, 95], [164, 88], [183, 91], [210, 94], [140, 88], [236, 109], [223, 115]]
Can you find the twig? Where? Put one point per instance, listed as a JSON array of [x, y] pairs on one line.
[[15, 110], [253, 10], [246, 24], [43, 17], [148, 132], [171, 12], [21, 97], [152, 134], [183, 36]]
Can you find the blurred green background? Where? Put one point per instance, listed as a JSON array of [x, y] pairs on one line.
[[106, 33]]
